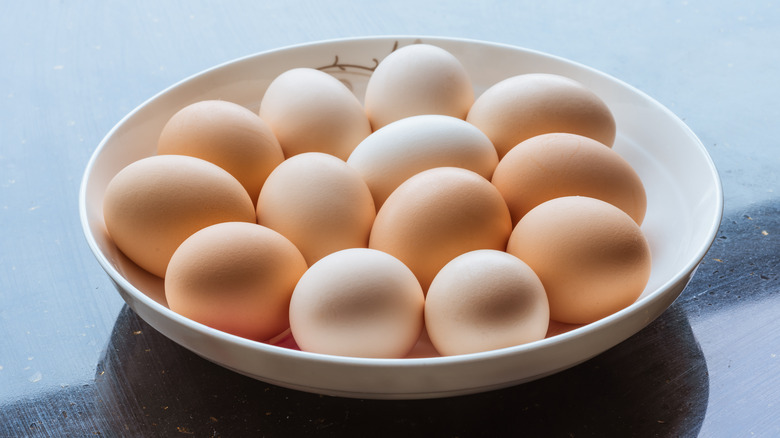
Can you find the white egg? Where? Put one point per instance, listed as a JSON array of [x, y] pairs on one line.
[[409, 146]]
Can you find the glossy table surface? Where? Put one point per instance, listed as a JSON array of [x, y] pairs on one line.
[[75, 361]]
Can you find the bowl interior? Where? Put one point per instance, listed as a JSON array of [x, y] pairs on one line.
[[683, 214]]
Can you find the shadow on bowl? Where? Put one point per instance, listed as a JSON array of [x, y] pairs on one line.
[[657, 382]]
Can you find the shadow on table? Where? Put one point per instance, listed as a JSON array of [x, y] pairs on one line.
[[653, 384]]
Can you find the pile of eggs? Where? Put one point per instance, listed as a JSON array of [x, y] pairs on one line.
[[361, 227]]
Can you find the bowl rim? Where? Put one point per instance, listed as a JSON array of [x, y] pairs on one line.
[[688, 269]]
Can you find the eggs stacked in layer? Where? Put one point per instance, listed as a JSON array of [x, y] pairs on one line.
[[422, 212]]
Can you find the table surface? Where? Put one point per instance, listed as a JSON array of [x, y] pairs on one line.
[[75, 361]]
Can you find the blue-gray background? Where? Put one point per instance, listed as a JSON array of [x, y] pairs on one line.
[[74, 360]]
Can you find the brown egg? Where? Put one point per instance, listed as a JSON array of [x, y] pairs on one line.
[[555, 165], [312, 111], [236, 277], [414, 80], [153, 204], [591, 257], [437, 215], [319, 203], [357, 302], [227, 135], [484, 300], [527, 105], [408, 146]]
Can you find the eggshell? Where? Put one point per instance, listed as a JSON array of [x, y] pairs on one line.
[[319, 203], [555, 165], [591, 257], [357, 302], [524, 106], [484, 300], [228, 135], [311, 111], [408, 146], [236, 277], [437, 215], [417, 79], [153, 204]]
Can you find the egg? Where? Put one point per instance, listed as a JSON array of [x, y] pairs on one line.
[[414, 80], [228, 135], [591, 257], [318, 202], [357, 302], [408, 146], [555, 165], [311, 111], [523, 106], [155, 203], [438, 214], [236, 277], [484, 300]]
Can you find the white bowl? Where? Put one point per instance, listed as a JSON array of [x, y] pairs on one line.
[[685, 203]]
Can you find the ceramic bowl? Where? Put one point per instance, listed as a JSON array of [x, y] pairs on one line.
[[684, 195]]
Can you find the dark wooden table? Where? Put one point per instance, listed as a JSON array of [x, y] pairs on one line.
[[75, 361]]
